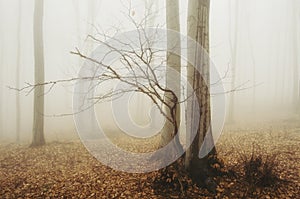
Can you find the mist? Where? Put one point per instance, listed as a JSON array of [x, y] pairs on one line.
[[252, 44], [265, 38]]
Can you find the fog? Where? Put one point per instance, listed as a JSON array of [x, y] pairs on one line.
[[264, 35]]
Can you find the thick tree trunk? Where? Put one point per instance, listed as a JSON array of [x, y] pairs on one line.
[[198, 29], [173, 62], [38, 118]]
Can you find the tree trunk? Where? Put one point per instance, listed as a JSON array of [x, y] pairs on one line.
[[233, 48], [38, 118], [1, 87], [92, 6], [173, 62], [198, 30], [253, 61], [296, 80], [18, 120]]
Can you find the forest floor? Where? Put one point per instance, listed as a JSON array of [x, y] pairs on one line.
[[67, 170]]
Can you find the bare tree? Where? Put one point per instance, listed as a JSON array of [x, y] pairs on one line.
[[38, 117], [135, 69], [198, 29]]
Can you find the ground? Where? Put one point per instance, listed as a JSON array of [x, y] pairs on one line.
[[67, 170]]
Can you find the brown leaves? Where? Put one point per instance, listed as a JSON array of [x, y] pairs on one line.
[[67, 170], [280, 142]]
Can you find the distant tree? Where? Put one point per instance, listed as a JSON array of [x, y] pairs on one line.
[[38, 112], [18, 66], [252, 57], [1, 85], [233, 49], [295, 50], [90, 30], [198, 30], [1, 76]]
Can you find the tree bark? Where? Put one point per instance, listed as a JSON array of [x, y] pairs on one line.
[[173, 62], [198, 30], [38, 118]]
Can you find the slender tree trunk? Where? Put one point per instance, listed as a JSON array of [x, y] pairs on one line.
[[295, 62], [253, 64], [173, 61], [38, 118], [198, 29], [18, 112], [92, 6], [233, 48], [1, 88]]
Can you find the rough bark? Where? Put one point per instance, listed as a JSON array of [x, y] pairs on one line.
[[198, 29], [38, 117]]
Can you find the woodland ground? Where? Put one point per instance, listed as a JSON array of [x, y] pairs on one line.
[[67, 170]]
